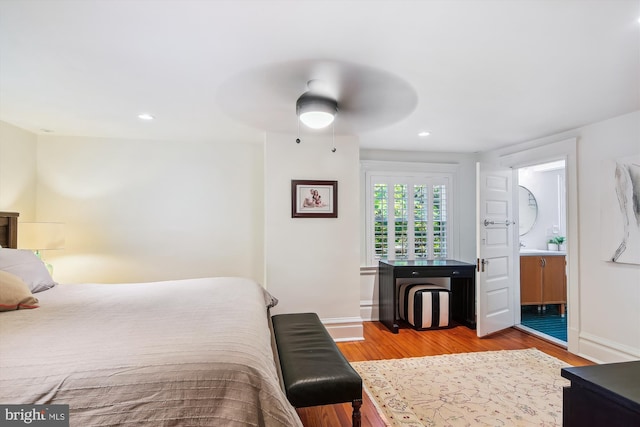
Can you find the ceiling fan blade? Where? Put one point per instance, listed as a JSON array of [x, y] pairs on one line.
[[367, 98]]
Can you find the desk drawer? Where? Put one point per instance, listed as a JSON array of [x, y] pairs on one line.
[[418, 272]]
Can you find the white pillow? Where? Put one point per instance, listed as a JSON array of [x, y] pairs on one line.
[[28, 267], [14, 293]]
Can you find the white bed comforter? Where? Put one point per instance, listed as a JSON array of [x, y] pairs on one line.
[[180, 353]]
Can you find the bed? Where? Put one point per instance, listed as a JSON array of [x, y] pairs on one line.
[[194, 352]]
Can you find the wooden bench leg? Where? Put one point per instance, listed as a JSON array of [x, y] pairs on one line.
[[356, 418]]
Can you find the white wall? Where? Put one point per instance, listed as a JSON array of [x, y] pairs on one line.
[[609, 292], [18, 171], [151, 210], [312, 263], [604, 320], [551, 219], [156, 210], [142, 210]]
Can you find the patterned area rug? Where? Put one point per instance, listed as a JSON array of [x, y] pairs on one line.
[[494, 388]]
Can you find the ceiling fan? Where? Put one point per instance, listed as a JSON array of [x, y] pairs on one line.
[[357, 98]]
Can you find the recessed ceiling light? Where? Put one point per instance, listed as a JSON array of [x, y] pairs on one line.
[[145, 116], [424, 133]]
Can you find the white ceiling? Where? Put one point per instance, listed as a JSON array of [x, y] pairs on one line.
[[476, 74]]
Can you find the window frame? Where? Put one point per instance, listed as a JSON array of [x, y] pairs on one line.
[[409, 173]]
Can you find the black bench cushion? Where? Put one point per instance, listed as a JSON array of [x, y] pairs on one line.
[[314, 370]]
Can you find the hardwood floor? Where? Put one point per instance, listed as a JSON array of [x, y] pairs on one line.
[[380, 343]]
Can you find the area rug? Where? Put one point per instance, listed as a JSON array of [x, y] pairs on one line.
[[494, 388]]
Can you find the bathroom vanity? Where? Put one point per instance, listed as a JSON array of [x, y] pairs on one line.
[[543, 278]]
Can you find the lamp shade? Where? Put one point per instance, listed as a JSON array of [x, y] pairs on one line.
[[316, 112], [41, 235]]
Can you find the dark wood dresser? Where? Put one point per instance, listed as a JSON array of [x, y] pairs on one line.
[[602, 395]]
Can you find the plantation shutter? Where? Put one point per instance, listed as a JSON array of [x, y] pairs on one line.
[[410, 217]]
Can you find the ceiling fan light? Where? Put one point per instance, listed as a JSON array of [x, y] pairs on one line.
[[316, 112], [316, 119]]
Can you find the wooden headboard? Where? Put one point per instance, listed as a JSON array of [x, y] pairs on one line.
[[9, 229]]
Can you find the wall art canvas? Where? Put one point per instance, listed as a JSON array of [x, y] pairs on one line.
[[620, 210]]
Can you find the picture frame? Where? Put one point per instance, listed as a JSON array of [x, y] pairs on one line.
[[314, 199]]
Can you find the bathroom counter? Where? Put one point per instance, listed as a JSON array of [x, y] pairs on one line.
[[539, 252]]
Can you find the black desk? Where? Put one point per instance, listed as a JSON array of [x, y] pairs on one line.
[[602, 395], [463, 287]]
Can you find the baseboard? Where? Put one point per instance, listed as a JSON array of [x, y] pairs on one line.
[[369, 288], [573, 340], [345, 328], [369, 310], [602, 350]]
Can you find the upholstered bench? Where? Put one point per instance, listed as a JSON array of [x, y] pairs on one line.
[[314, 371]]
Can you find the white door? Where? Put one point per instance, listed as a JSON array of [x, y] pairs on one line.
[[495, 280]]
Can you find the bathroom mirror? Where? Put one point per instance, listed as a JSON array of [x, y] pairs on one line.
[[528, 207]]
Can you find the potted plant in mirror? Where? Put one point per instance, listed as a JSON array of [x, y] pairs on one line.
[[552, 245], [559, 240]]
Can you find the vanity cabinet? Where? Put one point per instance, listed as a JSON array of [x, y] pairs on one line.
[[543, 280]]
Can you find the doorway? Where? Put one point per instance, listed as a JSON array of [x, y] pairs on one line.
[[543, 236]]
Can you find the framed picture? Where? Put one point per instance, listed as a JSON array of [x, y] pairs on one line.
[[314, 199]]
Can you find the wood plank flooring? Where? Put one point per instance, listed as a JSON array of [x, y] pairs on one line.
[[380, 344]]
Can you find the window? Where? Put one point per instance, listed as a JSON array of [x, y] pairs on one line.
[[408, 215]]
